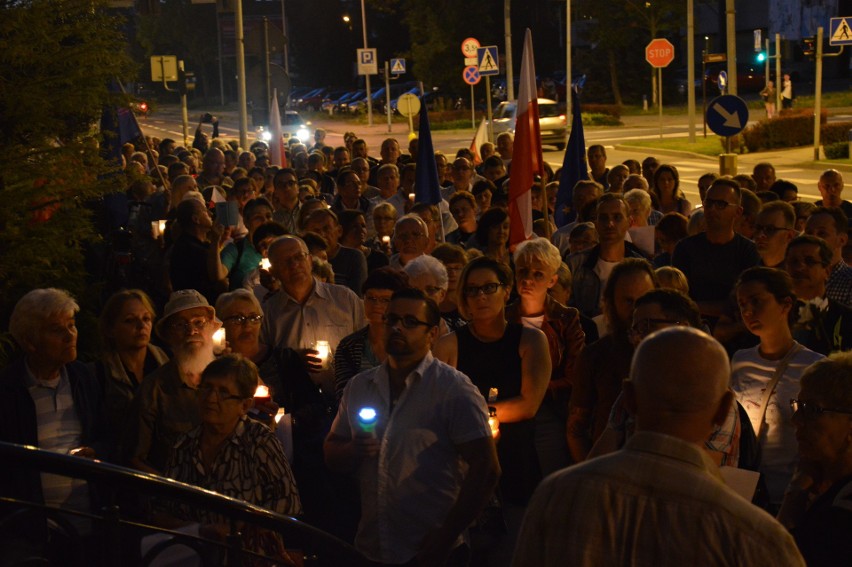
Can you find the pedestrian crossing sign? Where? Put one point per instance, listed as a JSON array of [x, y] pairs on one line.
[[487, 60], [841, 31], [397, 66]]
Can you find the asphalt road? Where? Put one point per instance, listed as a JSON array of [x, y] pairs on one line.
[[791, 164]]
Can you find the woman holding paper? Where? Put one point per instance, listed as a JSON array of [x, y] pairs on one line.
[[766, 377]]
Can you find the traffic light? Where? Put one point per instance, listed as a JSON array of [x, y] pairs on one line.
[[760, 57], [809, 46]]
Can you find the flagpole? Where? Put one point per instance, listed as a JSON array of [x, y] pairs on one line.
[[547, 232], [144, 139]]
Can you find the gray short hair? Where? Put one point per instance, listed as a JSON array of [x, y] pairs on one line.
[[539, 249], [412, 217], [226, 300], [428, 265], [639, 196], [33, 309]]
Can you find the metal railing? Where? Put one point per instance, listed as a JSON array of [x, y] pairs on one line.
[[107, 545]]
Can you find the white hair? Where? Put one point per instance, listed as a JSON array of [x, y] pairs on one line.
[[412, 217], [427, 265], [33, 309], [539, 249], [640, 197], [226, 300]]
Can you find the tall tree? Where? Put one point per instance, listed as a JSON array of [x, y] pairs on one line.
[[56, 60]]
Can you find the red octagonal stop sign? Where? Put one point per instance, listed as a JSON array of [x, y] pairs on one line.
[[659, 53]]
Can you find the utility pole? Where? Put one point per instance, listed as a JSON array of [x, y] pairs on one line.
[[507, 23], [690, 68], [731, 20]]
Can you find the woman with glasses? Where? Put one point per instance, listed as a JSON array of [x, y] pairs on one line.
[[454, 258], [365, 348], [765, 377], [536, 264], [126, 323], [234, 456], [384, 219], [816, 505], [510, 365]]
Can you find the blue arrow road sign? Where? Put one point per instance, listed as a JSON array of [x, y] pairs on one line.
[[840, 31], [487, 61], [727, 115]]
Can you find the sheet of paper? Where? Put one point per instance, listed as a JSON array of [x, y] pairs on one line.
[[741, 481]]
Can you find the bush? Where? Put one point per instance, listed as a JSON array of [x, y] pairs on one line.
[[596, 119], [838, 150], [835, 132], [794, 127], [613, 110]]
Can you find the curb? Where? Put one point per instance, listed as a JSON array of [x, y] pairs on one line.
[[664, 152]]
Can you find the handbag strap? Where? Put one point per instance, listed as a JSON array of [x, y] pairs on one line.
[[773, 383]]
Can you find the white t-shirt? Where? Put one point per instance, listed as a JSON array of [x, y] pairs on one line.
[[533, 322], [750, 375]]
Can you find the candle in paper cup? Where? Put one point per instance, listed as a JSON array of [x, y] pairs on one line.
[[411, 196], [265, 264], [386, 239], [219, 341], [323, 351], [493, 422], [261, 393], [161, 226], [281, 413]]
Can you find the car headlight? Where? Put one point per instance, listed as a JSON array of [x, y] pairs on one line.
[[303, 134]]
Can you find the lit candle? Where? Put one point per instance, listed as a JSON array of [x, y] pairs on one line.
[[411, 197], [323, 350], [493, 422], [219, 341], [492, 395], [265, 264], [386, 239], [261, 394], [281, 413], [367, 418], [161, 226]]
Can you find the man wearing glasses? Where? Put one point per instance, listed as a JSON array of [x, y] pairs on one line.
[[713, 260], [774, 228], [402, 428], [285, 199], [165, 406]]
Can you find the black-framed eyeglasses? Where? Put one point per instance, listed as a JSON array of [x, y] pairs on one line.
[[718, 204], [486, 289], [647, 326], [244, 320], [810, 409], [204, 390], [196, 324], [407, 321], [768, 229]]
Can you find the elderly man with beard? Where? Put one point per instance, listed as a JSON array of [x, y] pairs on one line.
[[165, 406]]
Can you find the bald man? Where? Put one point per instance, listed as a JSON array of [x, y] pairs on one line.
[[658, 501]]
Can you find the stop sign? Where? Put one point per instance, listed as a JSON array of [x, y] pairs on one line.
[[659, 53]]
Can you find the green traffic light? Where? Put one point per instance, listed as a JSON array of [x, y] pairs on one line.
[[761, 57]]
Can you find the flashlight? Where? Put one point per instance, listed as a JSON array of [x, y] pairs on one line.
[[367, 418]]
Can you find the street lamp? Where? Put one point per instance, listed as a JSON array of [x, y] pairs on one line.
[[367, 77]]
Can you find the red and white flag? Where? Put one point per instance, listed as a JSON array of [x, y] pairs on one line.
[[276, 145], [479, 138], [527, 160]]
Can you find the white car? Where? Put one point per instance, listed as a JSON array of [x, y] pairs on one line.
[[551, 119], [292, 126]]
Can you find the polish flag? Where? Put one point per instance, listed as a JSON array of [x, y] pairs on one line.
[[277, 154], [479, 138], [527, 160]]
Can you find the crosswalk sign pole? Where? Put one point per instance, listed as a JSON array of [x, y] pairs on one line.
[[488, 107], [472, 109]]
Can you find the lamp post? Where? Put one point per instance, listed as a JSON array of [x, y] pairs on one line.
[[367, 77], [507, 23]]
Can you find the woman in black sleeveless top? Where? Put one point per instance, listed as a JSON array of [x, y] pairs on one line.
[[507, 357]]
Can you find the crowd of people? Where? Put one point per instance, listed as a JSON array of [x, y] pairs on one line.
[[451, 400]]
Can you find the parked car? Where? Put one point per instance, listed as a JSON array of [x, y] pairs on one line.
[[334, 105], [551, 119], [312, 101]]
